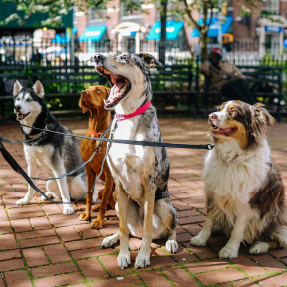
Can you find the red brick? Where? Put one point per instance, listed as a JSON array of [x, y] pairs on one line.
[[209, 265], [11, 264], [59, 280], [202, 252], [87, 232], [5, 227], [68, 233], [272, 281], [21, 225], [244, 283], [180, 277], [280, 252], [180, 205], [35, 257], [91, 252], [154, 279], [221, 276], [26, 209], [40, 223], [110, 262], [109, 231], [183, 237], [57, 253], [186, 213], [248, 266], [1, 283], [217, 241], [125, 281], [12, 254], [156, 262], [92, 269], [26, 215], [194, 229], [183, 256], [35, 234], [269, 262], [191, 219], [50, 209], [69, 221], [76, 245], [3, 215], [18, 278], [54, 269], [38, 241], [7, 242]]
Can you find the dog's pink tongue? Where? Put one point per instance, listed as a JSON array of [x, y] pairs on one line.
[[221, 131]]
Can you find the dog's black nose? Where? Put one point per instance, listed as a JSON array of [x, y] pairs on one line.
[[17, 108], [99, 57], [212, 117]]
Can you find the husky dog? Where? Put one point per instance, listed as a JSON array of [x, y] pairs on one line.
[[141, 173], [56, 154]]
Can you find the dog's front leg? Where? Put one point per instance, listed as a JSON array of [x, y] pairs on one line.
[[91, 176], [143, 258], [33, 171], [230, 250], [63, 186], [124, 256]]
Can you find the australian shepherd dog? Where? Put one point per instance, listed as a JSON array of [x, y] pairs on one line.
[[244, 189]]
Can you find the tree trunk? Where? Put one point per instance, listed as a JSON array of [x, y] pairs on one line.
[[162, 43], [203, 44]]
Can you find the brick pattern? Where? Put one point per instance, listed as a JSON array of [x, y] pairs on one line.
[[40, 246]]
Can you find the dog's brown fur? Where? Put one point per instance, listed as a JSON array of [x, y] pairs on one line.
[[92, 99]]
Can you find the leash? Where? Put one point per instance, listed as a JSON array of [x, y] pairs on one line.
[[97, 149], [35, 138], [131, 142], [17, 168]]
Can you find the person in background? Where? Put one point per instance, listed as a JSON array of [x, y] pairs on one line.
[[226, 78]]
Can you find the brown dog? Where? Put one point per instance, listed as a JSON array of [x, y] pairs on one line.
[[93, 99]]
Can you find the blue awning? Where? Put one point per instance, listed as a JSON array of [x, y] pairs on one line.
[[172, 29], [93, 33], [213, 28], [59, 39]]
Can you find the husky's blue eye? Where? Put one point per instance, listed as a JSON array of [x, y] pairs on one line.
[[18, 99], [29, 100]]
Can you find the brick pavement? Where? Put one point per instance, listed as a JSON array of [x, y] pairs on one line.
[[39, 246]]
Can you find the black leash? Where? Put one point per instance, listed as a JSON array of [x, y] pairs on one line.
[[142, 143]]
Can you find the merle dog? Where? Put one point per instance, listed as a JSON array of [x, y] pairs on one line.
[[141, 173], [55, 154]]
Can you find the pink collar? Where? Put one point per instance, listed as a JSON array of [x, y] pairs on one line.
[[136, 113]]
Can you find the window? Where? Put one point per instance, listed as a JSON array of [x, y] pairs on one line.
[[271, 7], [95, 14]]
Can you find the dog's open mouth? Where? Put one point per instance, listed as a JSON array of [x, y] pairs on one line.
[[120, 86], [21, 116], [219, 131]]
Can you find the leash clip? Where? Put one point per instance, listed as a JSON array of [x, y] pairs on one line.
[[210, 146]]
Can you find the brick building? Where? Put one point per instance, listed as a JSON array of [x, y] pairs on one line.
[[124, 28]]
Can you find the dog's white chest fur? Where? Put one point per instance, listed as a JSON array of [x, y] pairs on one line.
[[129, 163], [40, 155]]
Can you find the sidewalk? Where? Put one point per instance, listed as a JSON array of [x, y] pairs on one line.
[[39, 246]]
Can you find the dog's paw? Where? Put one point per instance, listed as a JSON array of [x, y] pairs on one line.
[[97, 224], [68, 210], [227, 252], [49, 194], [259, 247], [198, 241], [22, 201], [109, 241], [124, 260], [171, 246], [96, 207], [142, 260], [84, 216]]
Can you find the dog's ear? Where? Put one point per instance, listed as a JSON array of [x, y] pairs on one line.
[[17, 88], [260, 121], [82, 106], [39, 89], [149, 59]]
